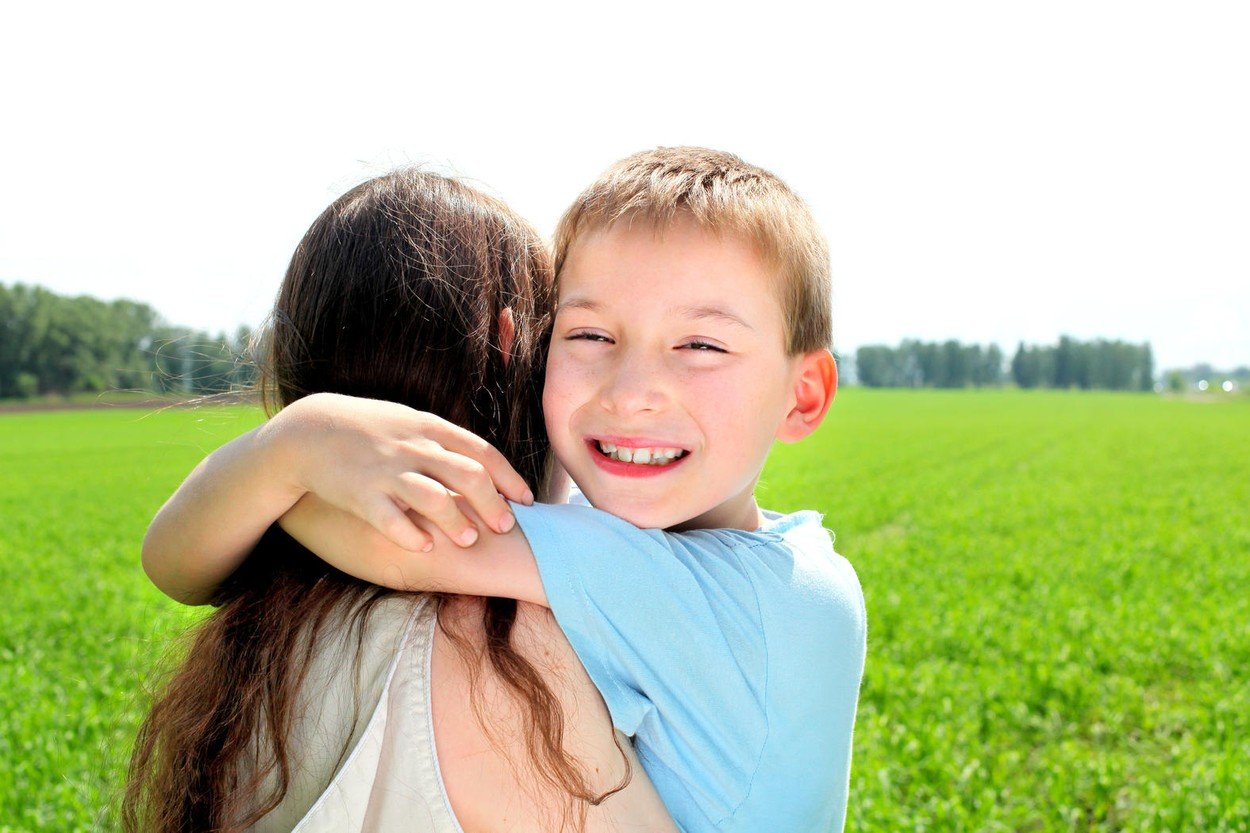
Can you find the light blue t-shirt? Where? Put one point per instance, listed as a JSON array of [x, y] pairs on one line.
[[732, 658]]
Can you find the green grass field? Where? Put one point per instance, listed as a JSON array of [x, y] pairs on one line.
[[1059, 629]]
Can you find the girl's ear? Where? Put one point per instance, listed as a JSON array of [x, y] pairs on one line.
[[815, 383], [507, 332]]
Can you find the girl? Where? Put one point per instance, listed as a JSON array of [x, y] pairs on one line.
[[308, 697]]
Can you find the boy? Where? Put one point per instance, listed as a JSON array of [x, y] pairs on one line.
[[691, 331]]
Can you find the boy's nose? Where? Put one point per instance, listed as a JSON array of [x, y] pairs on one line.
[[631, 387]]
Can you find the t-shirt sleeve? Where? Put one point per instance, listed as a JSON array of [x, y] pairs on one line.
[[665, 625]]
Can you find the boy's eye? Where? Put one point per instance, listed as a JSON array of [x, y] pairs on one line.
[[583, 335], [703, 347]]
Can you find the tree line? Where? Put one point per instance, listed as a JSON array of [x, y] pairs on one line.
[[56, 345], [52, 344], [1181, 379], [1099, 364], [919, 364]]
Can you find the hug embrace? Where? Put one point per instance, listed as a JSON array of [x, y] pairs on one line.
[[406, 640]]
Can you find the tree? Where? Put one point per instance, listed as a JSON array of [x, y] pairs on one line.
[[1065, 363], [1026, 368], [990, 371], [1146, 379]]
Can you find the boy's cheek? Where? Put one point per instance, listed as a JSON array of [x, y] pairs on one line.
[[554, 381], [568, 382], [750, 408]]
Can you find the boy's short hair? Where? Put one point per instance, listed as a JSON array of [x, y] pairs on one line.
[[726, 195]]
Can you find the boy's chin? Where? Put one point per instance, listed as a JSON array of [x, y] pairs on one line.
[[644, 515]]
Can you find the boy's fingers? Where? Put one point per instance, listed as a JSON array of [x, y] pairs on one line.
[[470, 479], [507, 481], [390, 520], [431, 500]]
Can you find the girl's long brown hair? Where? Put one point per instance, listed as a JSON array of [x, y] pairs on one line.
[[394, 293]]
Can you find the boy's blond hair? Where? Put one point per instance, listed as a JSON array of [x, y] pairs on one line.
[[726, 195]]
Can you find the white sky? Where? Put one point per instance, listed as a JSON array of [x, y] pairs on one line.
[[988, 171]]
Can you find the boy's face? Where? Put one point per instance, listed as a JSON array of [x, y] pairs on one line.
[[672, 344]]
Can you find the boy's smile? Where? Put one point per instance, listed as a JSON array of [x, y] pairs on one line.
[[667, 378], [635, 456]]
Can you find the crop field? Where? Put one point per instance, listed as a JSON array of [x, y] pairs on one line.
[[1058, 589]]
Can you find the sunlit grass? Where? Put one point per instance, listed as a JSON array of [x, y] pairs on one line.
[[80, 626], [1058, 619], [1058, 624]]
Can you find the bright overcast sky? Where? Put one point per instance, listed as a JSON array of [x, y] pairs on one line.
[[987, 171]]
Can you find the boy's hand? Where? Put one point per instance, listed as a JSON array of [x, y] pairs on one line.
[[377, 459]]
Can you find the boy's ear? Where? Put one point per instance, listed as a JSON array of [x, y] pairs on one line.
[[815, 383], [507, 332]]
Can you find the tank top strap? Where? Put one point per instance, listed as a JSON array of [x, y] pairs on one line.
[[390, 780]]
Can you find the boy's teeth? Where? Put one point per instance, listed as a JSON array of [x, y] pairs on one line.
[[641, 456]]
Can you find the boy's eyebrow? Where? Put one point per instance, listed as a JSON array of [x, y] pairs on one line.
[[718, 313], [579, 303], [693, 312]]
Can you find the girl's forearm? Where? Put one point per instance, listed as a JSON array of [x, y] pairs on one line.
[[207, 528]]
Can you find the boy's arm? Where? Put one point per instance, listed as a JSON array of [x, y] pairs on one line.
[[210, 524], [496, 565], [375, 460]]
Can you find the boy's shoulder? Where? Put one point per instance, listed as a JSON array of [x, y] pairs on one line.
[[799, 536], [790, 557], [798, 545]]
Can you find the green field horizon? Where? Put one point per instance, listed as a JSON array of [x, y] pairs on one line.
[[1058, 622]]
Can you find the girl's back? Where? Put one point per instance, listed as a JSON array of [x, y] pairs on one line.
[[363, 749], [490, 779]]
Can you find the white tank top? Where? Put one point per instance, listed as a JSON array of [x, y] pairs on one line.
[[389, 779]]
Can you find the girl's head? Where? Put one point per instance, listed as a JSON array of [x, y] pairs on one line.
[[412, 288], [418, 289]]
